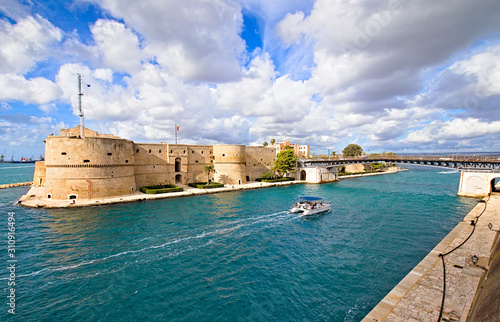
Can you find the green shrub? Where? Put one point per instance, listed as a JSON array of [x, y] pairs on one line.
[[204, 185], [164, 188], [267, 175], [278, 180]]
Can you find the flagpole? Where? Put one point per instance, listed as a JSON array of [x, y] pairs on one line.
[[175, 129]]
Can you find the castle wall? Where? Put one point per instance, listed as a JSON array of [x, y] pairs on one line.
[[150, 165], [39, 176], [199, 156], [88, 168], [259, 160], [230, 164]]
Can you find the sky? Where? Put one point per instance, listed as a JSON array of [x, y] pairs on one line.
[[388, 75]]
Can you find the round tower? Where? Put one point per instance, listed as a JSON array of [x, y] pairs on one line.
[[229, 164], [89, 167]]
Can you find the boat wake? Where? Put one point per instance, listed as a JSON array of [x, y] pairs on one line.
[[178, 246]]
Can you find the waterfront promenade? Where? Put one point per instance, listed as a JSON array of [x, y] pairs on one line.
[[419, 295]]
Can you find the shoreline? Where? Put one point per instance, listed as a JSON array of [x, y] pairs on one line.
[[419, 294], [32, 198], [35, 197]]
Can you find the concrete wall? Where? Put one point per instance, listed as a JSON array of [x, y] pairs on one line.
[[317, 175], [476, 184]]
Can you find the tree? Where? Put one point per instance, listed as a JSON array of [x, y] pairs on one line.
[[208, 169], [286, 161], [265, 144], [273, 141], [352, 150]]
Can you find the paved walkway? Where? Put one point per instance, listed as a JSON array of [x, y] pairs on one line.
[[418, 296]]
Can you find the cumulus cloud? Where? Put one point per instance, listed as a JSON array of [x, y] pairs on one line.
[[25, 43], [118, 46], [37, 90], [195, 40]]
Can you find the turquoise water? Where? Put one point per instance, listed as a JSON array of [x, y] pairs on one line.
[[16, 172], [229, 256]]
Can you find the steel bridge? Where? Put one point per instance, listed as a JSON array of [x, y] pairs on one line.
[[481, 163]]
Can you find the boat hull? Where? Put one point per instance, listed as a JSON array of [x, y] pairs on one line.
[[324, 208]]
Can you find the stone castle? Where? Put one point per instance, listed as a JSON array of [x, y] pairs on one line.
[[102, 165]]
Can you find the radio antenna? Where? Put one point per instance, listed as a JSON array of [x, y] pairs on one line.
[[80, 114]]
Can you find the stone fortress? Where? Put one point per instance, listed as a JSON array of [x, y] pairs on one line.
[[102, 165]]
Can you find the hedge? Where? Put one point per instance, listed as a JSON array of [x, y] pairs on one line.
[[204, 185], [164, 188], [278, 180]]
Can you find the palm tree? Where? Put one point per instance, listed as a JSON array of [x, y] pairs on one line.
[[208, 169]]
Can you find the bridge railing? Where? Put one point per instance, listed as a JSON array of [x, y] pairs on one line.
[[416, 158]]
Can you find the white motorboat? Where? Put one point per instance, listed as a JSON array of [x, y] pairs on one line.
[[310, 206]]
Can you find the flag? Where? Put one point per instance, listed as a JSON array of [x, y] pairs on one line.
[[177, 128]]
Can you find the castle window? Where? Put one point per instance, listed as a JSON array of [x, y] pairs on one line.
[[86, 161], [223, 155], [149, 151], [63, 153], [171, 151], [192, 152], [137, 151], [196, 161], [110, 153], [49, 196], [72, 196], [184, 151], [201, 152], [126, 161], [159, 151]]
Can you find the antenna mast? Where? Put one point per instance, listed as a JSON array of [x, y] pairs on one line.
[[80, 114]]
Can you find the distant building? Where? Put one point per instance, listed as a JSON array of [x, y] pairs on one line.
[[298, 150]]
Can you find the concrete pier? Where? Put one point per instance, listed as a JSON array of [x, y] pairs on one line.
[[12, 185], [419, 295]]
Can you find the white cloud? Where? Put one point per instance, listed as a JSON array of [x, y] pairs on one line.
[[37, 90], [118, 46], [25, 43], [196, 40]]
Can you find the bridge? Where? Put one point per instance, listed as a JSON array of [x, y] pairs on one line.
[[455, 162], [480, 175]]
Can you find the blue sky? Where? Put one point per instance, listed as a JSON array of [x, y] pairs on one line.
[[388, 75]]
